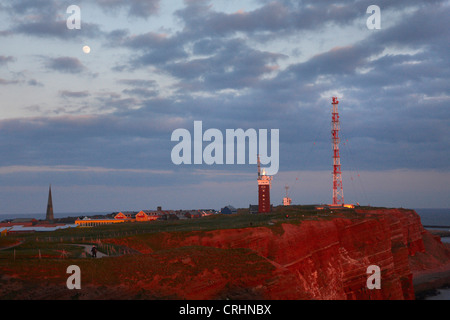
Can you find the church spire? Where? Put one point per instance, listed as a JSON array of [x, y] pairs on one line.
[[49, 216]]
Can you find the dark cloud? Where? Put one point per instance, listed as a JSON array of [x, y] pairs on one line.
[[116, 37], [65, 65], [42, 18], [422, 27], [155, 48], [234, 66], [115, 102], [32, 7], [142, 92], [200, 19], [271, 19], [35, 83], [337, 61], [139, 82], [57, 29], [107, 141], [136, 8], [74, 94], [207, 46]]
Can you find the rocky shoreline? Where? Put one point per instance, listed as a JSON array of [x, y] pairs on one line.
[[427, 283]]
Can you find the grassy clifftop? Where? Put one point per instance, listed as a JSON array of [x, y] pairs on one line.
[[295, 252]]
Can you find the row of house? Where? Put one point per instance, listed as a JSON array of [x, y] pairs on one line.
[[150, 215], [144, 216], [33, 225]]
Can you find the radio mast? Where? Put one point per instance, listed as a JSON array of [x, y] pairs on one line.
[[338, 192]]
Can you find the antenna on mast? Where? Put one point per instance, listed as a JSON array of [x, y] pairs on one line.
[[286, 200], [259, 167], [338, 192]]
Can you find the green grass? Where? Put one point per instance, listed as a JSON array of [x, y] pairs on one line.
[[40, 250], [296, 214], [213, 222], [172, 265], [51, 244]]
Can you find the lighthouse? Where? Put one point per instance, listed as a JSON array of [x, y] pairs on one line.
[[264, 184]]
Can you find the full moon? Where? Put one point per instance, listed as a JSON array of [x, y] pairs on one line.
[[86, 49]]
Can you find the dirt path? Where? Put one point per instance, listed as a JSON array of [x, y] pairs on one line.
[[87, 249], [12, 246]]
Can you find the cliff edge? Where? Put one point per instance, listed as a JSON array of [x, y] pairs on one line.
[[291, 254], [323, 258]]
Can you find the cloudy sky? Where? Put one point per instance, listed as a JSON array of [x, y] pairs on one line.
[[98, 126]]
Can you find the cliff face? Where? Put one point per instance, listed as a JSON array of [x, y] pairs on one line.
[[329, 259], [324, 258], [318, 256]]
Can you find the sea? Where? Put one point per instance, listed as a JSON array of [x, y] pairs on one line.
[[440, 218], [56, 215], [434, 216], [431, 218], [435, 219]]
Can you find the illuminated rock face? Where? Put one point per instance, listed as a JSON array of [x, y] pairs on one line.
[[328, 259], [314, 258]]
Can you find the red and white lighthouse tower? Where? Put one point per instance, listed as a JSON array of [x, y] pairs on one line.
[[264, 184], [338, 192]]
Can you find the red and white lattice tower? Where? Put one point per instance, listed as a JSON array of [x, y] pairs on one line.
[[338, 192]]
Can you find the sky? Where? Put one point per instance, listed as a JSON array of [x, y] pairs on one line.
[[97, 126]]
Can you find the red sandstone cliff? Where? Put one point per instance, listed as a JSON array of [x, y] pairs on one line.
[[320, 259], [313, 257]]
